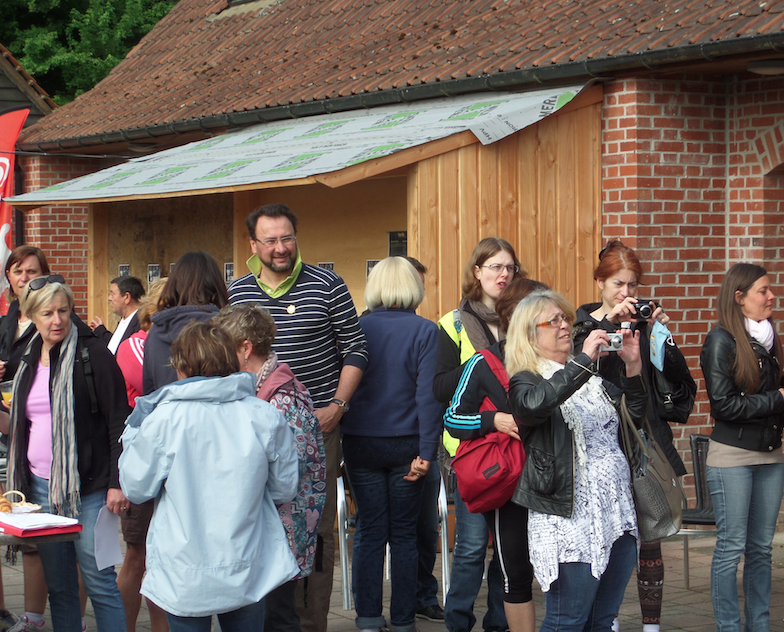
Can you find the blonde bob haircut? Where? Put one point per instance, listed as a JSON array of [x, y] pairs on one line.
[[394, 282], [34, 301], [522, 343]]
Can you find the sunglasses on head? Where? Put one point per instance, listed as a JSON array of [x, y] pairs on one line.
[[38, 282]]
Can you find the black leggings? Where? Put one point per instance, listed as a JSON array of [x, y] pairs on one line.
[[509, 527]]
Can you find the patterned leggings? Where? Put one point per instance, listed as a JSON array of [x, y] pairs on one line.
[[650, 581]]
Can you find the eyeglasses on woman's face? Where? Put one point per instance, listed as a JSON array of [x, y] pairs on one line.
[[38, 282], [498, 268], [555, 321]]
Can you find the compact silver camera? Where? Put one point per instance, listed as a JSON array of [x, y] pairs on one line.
[[616, 342]]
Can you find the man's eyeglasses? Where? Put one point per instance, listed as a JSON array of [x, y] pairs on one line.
[[38, 282], [497, 268], [555, 321], [286, 240]]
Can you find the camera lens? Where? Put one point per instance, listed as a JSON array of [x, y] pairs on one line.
[[645, 310]]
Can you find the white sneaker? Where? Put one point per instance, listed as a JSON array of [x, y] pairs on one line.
[[23, 625]]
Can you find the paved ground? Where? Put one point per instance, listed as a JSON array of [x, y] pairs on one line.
[[683, 609]]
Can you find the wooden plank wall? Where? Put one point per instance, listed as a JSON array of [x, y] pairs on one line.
[[540, 189]]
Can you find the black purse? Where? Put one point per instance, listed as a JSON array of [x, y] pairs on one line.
[[673, 401]]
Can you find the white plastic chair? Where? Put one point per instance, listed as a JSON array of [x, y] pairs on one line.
[[346, 524]]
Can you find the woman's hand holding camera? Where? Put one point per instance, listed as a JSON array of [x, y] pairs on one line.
[[629, 310], [593, 344], [658, 314], [625, 310], [630, 354]]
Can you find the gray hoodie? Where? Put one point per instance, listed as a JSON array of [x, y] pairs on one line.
[[166, 326]]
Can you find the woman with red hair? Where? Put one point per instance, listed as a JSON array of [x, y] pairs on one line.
[[618, 277]]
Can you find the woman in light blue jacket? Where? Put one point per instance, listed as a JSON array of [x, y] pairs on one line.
[[217, 459]]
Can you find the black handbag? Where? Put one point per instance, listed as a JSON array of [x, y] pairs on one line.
[[656, 488], [673, 401]]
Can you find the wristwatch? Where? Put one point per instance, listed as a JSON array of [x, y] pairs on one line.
[[342, 403]]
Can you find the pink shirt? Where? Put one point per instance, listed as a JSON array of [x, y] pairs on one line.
[[39, 412]]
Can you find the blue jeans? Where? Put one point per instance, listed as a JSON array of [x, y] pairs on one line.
[[746, 502], [59, 561], [389, 508], [427, 539], [578, 602], [246, 619], [468, 565]]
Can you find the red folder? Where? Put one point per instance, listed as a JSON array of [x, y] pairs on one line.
[[34, 533]]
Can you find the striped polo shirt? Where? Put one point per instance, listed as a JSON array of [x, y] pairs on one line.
[[318, 330]]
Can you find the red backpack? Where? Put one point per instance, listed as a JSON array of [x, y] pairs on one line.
[[489, 467]]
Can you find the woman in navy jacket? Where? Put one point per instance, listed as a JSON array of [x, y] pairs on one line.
[[390, 439]]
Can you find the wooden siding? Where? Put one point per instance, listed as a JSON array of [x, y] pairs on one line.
[[540, 189]]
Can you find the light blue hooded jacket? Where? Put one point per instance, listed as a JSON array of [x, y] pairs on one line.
[[216, 459]]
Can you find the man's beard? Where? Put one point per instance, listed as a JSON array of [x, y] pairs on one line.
[[285, 267]]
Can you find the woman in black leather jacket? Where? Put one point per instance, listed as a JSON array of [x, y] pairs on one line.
[[742, 363], [576, 482], [24, 263], [618, 276]]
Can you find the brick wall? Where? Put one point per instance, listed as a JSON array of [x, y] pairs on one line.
[[60, 231], [690, 180]]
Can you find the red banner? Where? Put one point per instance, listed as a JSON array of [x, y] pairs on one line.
[[11, 123]]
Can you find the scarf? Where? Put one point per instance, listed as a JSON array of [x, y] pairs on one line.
[[761, 331], [474, 314], [64, 481], [591, 393]]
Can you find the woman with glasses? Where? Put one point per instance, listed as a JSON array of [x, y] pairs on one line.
[[742, 361], [464, 421], [195, 291], [576, 484], [618, 277], [464, 331], [66, 421]]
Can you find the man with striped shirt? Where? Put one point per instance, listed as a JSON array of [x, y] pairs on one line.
[[319, 337]]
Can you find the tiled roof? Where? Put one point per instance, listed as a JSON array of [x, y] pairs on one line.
[[205, 59], [25, 83]]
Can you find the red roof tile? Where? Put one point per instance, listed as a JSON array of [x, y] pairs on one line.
[[202, 60]]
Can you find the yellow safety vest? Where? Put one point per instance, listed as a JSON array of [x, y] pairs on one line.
[[452, 324]]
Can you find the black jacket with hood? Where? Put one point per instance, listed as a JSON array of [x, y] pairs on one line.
[[166, 326]]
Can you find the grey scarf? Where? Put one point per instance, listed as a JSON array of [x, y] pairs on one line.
[[471, 318], [64, 482]]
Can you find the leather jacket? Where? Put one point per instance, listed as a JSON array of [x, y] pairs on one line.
[[547, 482], [752, 421], [611, 367]]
